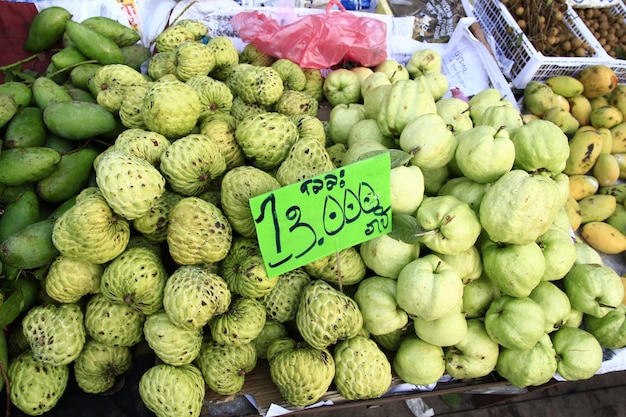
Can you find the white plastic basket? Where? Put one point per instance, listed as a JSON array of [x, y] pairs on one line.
[[520, 61], [618, 65]]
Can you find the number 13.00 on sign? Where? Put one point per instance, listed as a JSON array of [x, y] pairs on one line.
[[305, 221]]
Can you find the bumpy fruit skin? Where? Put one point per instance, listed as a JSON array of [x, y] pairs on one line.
[[240, 109], [301, 372], [173, 391], [215, 96], [328, 268], [129, 184], [130, 107], [271, 330], [326, 315], [266, 138], [153, 224], [172, 344], [220, 127], [239, 185], [98, 365], [68, 279], [197, 27], [252, 55], [36, 388], [297, 102], [173, 36], [244, 270], [143, 143], [194, 295], [192, 163], [224, 367], [226, 56], [112, 323], [171, 108], [137, 278], [240, 324], [361, 369], [258, 85], [198, 232], [56, 334], [282, 302], [111, 82], [90, 230], [292, 75], [307, 158], [191, 59]]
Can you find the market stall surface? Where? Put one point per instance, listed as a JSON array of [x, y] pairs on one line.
[[601, 396]]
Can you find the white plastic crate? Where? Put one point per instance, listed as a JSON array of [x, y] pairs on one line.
[[520, 61], [618, 65]]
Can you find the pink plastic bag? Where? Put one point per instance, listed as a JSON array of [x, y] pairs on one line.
[[318, 40]]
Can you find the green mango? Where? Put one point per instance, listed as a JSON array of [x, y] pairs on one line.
[[46, 29], [30, 247], [23, 296], [120, 34], [9, 193], [78, 94], [71, 176], [78, 120], [19, 213], [4, 356], [26, 129], [135, 55], [93, 44], [46, 92], [8, 109], [80, 75], [23, 165], [70, 55], [58, 143], [22, 93]]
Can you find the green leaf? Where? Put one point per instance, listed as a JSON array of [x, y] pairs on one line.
[[399, 157], [405, 228]]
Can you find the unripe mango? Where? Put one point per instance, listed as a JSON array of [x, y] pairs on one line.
[[618, 218], [19, 213], [619, 138], [46, 28], [77, 120], [21, 92], [621, 161], [605, 116], [26, 129], [580, 108], [46, 92], [93, 44], [30, 247], [565, 85], [71, 176], [23, 165], [617, 190]]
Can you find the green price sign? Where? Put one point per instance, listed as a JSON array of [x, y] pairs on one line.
[[305, 221]]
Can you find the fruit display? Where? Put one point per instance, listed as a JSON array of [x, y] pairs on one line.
[[126, 222], [588, 109], [607, 25]]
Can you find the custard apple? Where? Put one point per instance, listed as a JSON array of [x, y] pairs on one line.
[[171, 108], [220, 127], [240, 109], [345, 267], [172, 344], [326, 315], [224, 367], [197, 27], [136, 278], [172, 36], [173, 391], [191, 163], [240, 324], [244, 270], [239, 185], [281, 304], [307, 158], [153, 224], [215, 96], [193, 295], [301, 373], [314, 84], [68, 279], [198, 232], [266, 138], [362, 370], [90, 230], [98, 366], [36, 388], [271, 330], [292, 75], [226, 56], [110, 83], [160, 64], [143, 143], [297, 102], [260, 85], [56, 334], [112, 323], [192, 58], [309, 125], [252, 55], [129, 184]]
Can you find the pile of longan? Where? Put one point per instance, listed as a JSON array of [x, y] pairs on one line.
[[607, 25], [544, 24]]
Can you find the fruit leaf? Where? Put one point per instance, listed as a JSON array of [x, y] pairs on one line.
[[398, 157], [405, 228]]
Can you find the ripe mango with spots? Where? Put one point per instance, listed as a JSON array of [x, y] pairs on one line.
[[606, 169], [603, 237], [582, 185], [597, 207], [606, 116], [585, 148]]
